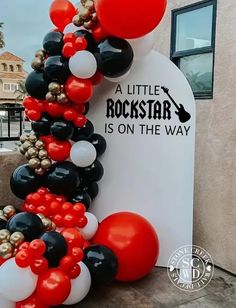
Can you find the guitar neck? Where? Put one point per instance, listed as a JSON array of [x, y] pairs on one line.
[[172, 100]]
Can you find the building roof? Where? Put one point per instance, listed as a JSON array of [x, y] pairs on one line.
[[11, 75], [8, 56]]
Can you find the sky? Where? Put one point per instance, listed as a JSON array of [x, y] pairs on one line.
[[26, 22]]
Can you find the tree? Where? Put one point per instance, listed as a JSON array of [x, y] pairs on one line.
[[21, 91], [2, 43]]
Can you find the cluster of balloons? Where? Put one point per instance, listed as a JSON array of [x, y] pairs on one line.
[[63, 250]]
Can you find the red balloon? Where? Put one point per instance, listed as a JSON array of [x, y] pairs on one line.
[[55, 110], [53, 287], [130, 19], [73, 237], [31, 302], [79, 90], [58, 150], [61, 13], [68, 50], [133, 240]]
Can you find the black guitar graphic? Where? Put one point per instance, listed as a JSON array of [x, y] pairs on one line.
[[183, 115]]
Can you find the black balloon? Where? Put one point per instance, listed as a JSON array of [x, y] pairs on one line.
[[89, 38], [99, 143], [80, 195], [114, 57], [84, 132], [57, 69], [24, 181], [92, 173], [92, 189], [62, 178], [36, 84], [62, 129], [56, 247], [102, 264], [27, 223], [86, 105], [53, 43], [3, 224], [42, 127]]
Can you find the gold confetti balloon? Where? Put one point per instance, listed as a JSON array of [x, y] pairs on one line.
[[9, 211], [4, 236], [6, 250]]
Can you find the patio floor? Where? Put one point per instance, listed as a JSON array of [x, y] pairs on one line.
[[156, 290]]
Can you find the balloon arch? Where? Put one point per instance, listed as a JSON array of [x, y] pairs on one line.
[[54, 249]]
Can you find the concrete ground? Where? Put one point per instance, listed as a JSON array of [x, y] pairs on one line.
[[156, 291]]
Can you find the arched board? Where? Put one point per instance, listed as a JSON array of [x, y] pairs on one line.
[[148, 121]]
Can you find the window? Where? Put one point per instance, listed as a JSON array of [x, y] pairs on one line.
[[3, 67], [19, 68], [11, 68], [193, 44], [10, 87]]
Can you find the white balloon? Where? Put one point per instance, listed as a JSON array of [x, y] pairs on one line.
[[16, 284], [71, 28], [91, 228], [83, 64], [80, 286], [118, 79], [4, 303], [83, 154], [142, 46]]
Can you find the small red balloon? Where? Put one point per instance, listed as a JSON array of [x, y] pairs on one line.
[[74, 273], [59, 150], [68, 50], [67, 263], [55, 110], [73, 237], [37, 248], [70, 114], [80, 121], [81, 43], [61, 13], [69, 37], [39, 266], [22, 258], [79, 90], [133, 240], [34, 115], [53, 287]]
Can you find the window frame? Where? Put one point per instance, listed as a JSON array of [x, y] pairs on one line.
[[176, 56]]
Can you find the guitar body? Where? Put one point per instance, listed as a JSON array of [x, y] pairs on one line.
[[183, 115]]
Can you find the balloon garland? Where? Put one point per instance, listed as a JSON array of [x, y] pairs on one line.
[[53, 250]]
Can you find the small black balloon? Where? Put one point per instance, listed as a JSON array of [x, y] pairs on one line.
[[114, 57], [57, 69], [27, 223], [79, 195], [24, 181], [62, 178], [53, 43], [88, 37], [42, 127], [99, 143], [36, 84], [62, 129], [56, 247], [92, 173], [3, 224], [102, 264], [86, 105], [92, 189], [84, 132]]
